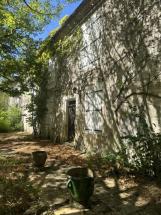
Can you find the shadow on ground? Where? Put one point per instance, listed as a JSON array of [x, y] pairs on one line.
[[124, 195]]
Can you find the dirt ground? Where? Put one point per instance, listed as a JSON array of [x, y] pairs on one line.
[[124, 195]]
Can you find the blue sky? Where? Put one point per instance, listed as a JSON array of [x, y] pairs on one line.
[[55, 23]]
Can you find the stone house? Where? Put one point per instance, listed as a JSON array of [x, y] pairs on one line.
[[97, 92]]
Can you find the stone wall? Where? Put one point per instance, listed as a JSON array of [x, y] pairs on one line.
[[25, 100], [120, 51]]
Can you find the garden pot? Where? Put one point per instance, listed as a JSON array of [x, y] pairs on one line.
[[39, 158], [80, 184]]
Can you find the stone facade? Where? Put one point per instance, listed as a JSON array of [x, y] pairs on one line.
[[25, 100], [22, 103], [95, 98]]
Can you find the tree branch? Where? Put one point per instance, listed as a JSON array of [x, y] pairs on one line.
[[36, 11], [136, 93]]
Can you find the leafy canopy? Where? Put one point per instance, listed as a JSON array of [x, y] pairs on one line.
[[20, 23]]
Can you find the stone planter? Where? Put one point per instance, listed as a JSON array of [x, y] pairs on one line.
[[39, 158], [80, 184]]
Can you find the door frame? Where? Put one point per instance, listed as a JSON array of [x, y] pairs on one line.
[[67, 115]]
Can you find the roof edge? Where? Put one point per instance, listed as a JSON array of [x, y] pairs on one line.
[[78, 16]]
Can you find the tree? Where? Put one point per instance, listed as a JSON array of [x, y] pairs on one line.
[[20, 22]]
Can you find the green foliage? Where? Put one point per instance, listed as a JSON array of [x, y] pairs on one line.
[[146, 147], [20, 23], [63, 20], [69, 45], [4, 121], [44, 45], [52, 33], [10, 120], [37, 105], [114, 159], [63, 48], [114, 163], [15, 118], [4, 99]]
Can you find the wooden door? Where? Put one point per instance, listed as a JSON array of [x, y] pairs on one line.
[[71, 119]]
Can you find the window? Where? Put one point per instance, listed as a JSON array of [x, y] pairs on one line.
[[93, 110]]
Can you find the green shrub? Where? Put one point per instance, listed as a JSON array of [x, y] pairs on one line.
[[143, 148], [10, 120], [14, 116], [113, 159], [113, 162], [4, 121]]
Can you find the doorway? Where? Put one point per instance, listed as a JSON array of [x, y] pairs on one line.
[[71, 110]]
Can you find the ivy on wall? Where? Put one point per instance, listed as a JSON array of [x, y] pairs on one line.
[[60, 51]]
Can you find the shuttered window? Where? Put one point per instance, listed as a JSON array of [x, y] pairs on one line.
[[93, 110]]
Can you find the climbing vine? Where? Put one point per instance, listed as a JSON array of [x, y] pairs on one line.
[[59, 51]]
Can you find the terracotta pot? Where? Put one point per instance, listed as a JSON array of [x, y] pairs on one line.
[[39, 158]]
